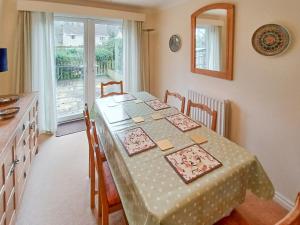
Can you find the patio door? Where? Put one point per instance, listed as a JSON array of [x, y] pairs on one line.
[[71, 70], [88, 52]]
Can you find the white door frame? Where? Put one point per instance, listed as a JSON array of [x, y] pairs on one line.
[[85, 40], [89, 62], [91, 77], [87, 72]]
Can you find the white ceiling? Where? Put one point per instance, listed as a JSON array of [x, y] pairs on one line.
[[145, 3]]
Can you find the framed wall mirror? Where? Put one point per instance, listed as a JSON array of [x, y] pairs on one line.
[[212, 41]]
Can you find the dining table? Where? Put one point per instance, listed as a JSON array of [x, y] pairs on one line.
[[151, 191]]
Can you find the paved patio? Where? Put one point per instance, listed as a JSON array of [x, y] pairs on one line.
[[71, 96]]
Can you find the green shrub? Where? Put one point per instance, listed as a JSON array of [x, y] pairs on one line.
[[70, 60]]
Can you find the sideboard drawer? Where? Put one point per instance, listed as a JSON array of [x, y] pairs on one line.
[[22, 177], [2, 221], [9, 185], [9, 159], [2, 203], [19, 167], [10, 208], [23, 127]]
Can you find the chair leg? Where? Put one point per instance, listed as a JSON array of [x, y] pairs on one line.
[[99, 204], [105, 217], [89, 165], [100, 209], [92, 186]]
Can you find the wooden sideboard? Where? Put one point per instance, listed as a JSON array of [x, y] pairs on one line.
[[18, 146]]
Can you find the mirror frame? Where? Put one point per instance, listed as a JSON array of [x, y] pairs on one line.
[[228, 73]]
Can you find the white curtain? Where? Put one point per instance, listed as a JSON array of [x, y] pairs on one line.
[[133, 69], [43, 69], [214, 48]]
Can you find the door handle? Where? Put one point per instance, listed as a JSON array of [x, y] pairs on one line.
[[12, 170]]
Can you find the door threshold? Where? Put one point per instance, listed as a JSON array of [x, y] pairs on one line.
[[69, 121]]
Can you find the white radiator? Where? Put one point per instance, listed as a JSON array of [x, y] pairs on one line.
[[221, 106]]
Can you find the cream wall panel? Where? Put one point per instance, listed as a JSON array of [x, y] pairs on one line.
[[265, 91], [8, 24]]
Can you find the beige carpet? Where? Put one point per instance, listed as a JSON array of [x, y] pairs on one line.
[[57, 191]]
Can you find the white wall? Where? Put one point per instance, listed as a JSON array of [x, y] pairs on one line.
[[8, 24], [265, 92]]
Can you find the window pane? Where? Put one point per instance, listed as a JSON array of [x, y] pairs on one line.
[[69, 41], [109, 53], [201, 47]]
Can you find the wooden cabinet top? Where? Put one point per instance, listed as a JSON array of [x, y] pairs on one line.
[[9, 127]]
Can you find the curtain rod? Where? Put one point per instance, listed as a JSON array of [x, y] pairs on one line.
[[40, 6]]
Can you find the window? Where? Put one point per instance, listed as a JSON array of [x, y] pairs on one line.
[[201, 47], [209, 47]]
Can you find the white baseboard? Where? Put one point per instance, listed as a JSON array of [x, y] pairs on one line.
[[283, 201]]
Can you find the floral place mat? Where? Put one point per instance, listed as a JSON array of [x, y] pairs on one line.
[[192, 162], [182, 122], [136, 141], [124, 98], [157, 105]]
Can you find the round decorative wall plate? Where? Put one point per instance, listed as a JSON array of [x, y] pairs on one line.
[[271, 39], [175, 43]]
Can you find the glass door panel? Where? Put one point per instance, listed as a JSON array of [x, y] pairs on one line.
[[70, 68], [108, 53], [88, 52]]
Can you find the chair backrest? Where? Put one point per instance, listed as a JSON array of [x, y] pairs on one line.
[[87, 120], [205, 108], [293, 217], [103, 85], [99, 165], [178, 96]]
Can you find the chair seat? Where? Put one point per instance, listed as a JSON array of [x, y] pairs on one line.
[[235, 218], [112, 194]]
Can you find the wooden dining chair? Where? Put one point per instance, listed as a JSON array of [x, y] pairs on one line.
[[86, 116], [103, 85], [91, 156], [293, 217], [205, 108], [235, 218], [88, 126], [108, 197], [176, 95]]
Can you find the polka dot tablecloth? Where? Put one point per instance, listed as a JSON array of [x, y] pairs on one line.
[[151, 191]]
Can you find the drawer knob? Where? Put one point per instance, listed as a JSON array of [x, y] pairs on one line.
[[24, 142], [32, 126], [24, 158], [25, 174], [11, 172], [24, 127]]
